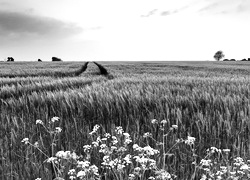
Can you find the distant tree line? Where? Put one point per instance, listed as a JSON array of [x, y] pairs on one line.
[[219, 55]]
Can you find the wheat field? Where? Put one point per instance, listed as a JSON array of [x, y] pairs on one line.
[[207, 100]]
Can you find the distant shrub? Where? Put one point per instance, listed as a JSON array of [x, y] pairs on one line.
[[244, 60], [248, 59], [232, 60], [39, 60], [56, 59], [226, 60], [10, 59]]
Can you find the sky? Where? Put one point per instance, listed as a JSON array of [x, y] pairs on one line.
[[124, 30]]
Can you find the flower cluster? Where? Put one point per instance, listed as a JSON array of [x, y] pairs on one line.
[[217, 166]]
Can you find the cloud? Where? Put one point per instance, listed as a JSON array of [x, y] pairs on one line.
[[19, 24], [150, 13], [226, 7], [166, 13]]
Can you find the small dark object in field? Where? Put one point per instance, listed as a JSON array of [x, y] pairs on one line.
[[244, 60], [83, 68], [248, 59], [232, 60], [39, 60], [103, 70], [225, 60], [56, 59], [10, 59]]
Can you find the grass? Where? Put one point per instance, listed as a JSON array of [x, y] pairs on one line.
[[207, 100]]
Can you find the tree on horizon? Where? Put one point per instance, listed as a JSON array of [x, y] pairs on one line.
[[219, 55]]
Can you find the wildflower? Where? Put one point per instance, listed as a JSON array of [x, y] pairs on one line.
[[163, 122], [226, 150], [131, 176], [163, 175], [58, 129], [205, 162], [36, 144], [51, 159], [66, 155], [147, 134], [214, 149], [120, 167], [244, 167], [107, 135], [113, 148], [137, 170], [127, 139], [150, 151], [71, 172], [122, 149], [127, 159], [104, 139], [203, 177], [151, 178], [174, 126], [114, 140], [95, 144], [119, 130], [233, 173], [86, 148], [39, 122], [83, 164], [72, 177], [136, 147], [81, 174], [126, 135], [190, 140], [223, 169], [95, 129], [54, 119], [25, 141], [154, 121], [94, 170]]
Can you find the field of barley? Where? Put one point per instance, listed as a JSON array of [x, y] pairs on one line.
[[209, 101]]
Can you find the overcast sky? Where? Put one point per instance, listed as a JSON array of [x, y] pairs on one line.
[[124, 29]]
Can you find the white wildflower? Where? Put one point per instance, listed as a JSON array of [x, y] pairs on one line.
[[131, 176], [71, 172], [51, 159], [244, 167], [163, 122], [119, 130], [86, 148], [190, 140], [81, 174], [175, 126], [147, 134], [25, 141], [95, 129], [205, 162], [54, 119], [154, 121], [226, 150], [83, 164], [36, 144], [58, 129], [39, 122]]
